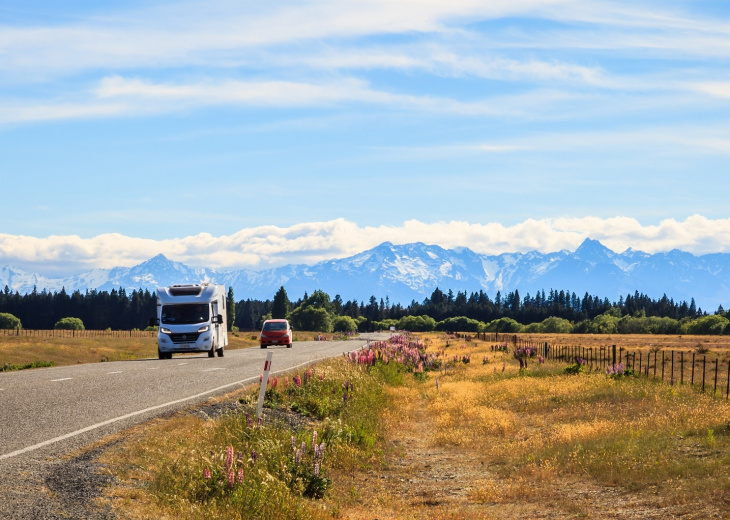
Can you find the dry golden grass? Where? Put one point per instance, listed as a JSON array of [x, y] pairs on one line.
[[499, 444], [18, 350]]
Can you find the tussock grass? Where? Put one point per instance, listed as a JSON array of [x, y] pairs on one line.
[[637, 434]]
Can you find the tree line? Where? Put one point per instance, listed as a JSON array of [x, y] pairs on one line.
[[637, 313]]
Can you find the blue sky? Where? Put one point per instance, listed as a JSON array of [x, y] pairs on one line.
[[249, 134]]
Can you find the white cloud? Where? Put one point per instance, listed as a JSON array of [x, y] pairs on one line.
[[268, 246]]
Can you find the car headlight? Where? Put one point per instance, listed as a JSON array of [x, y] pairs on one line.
[[204, 329], [165, 331]]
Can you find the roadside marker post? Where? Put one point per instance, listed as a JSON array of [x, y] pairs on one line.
[[264, 384]]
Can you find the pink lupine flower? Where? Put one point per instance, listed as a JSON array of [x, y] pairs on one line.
[[298, 457], [239, 477], [274, 382], [286, 382], [321, 451], [314, 437], [261, 378], [321, 377], [206, 474], [231, 478], [229, 458], [297, 380], [304, 447], [316, 469]]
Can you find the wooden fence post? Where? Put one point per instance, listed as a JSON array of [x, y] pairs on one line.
[[614, 355], [681, 368]]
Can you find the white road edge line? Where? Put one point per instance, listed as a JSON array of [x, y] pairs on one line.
[[211, 369], [114, 372], [62, 379], [139, 412]]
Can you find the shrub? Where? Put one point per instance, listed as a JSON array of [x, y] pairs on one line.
[[69, 324], [8, 321]]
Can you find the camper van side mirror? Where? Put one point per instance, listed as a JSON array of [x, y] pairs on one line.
[[217, 319], [154, 322]]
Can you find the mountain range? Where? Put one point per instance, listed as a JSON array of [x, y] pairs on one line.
[[412, 271]]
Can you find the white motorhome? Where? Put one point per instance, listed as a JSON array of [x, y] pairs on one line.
[[191, 318]]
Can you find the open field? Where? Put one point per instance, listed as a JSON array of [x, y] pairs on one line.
[[100, 346], [481, 440]]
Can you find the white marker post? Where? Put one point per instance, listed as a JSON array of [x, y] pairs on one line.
[[264, 383]]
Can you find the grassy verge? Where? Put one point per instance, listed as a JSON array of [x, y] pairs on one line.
[[318, 424], [7, 367]]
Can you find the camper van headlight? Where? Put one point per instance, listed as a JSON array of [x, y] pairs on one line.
[[165, 331], [204, 329]]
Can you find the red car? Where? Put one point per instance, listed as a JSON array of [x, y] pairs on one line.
[[276, 332]]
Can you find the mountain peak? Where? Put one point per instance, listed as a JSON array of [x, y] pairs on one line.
[[592, 247]]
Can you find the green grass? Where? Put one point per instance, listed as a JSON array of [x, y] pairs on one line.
[[336, 399], [7, 367]]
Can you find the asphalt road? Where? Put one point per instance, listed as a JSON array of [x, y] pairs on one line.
[[48, 412]]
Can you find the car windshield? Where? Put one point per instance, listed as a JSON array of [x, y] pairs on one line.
[[275, 325], [183, 314]]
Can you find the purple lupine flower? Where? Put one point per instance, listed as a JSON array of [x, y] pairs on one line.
[[254, 457], [316, 469], [298, 457], [304, 447], [240, 457], [293, 443], [314, 437], [321, 450]]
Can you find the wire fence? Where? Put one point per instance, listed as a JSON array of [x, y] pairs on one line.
[[707, 372]]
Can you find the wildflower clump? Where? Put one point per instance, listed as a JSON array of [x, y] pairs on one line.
[[408, 353], [578, 367], [522, 354], [619, 371], [305, 467]]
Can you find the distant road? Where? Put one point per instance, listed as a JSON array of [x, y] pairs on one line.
[[46, 412]]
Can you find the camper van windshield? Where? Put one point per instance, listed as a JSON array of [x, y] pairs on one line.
[[182, 314]]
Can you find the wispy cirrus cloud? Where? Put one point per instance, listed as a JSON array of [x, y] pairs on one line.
[[308, 243]]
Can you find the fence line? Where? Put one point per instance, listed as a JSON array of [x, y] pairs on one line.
[[62, 333], [672, 367]]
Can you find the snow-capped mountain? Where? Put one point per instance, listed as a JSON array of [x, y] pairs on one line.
[[412, 271]]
